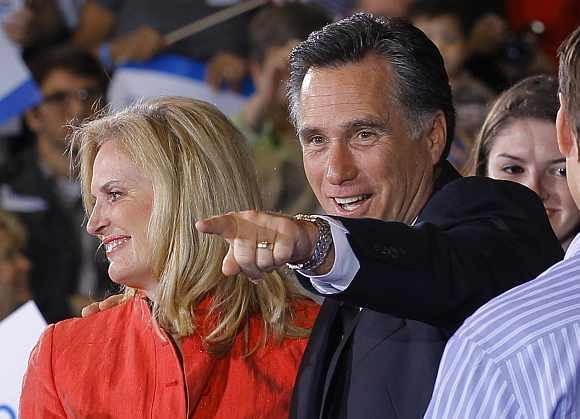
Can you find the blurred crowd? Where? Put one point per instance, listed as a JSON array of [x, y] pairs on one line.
[[72, 48]]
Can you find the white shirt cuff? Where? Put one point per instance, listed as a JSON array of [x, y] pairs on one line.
[[345, 266]]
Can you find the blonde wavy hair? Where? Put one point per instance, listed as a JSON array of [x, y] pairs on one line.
[[200, 167]]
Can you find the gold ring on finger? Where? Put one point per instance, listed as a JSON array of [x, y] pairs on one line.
[[265, 245]]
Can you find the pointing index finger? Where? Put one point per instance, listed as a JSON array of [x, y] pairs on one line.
[[221, 225]]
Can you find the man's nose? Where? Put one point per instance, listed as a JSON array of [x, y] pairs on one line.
[[79, 108], [341, 165], [76, 106]]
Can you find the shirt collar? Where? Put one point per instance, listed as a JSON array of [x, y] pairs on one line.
[[574, 248]]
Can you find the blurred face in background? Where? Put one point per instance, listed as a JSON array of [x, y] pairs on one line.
[[388, 8], [120, 217], [67, 97], [272, 73], [14, 269], [526, 152], [447, 34]]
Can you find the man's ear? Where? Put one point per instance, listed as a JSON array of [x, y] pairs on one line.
[[33, 120], [566, 141], [437, 137]]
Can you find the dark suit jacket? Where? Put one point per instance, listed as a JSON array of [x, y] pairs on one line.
[[474, 239]]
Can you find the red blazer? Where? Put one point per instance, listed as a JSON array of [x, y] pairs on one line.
[[118, 364]]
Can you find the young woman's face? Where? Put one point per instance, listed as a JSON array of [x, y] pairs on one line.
[[120, 217], [526, 152]]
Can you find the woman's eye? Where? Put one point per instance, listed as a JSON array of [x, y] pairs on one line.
[[114, 195], [560, 171], [513, 169]]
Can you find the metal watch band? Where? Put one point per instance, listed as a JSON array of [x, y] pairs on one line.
[[321, 248]]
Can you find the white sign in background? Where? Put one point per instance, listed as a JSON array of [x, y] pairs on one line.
[[9, 6], [19, 332], [17, 89], [14, 72], [129, 85]]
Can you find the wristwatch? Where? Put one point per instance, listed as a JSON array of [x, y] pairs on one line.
[[321, 248]]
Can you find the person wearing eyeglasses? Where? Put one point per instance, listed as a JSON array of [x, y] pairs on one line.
[[39, 191]]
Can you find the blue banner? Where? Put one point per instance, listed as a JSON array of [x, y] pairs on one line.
[[185, 67]]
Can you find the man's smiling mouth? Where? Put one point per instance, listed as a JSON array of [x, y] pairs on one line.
[[350, 203]]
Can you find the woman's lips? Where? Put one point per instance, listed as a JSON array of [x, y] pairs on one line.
[[112, 244]]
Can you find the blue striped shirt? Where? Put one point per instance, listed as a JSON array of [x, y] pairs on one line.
[[519, 355]]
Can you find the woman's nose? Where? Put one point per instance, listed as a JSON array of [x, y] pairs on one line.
[[536, 184], [97, 220]]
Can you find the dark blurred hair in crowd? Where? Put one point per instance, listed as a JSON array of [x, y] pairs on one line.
[[275, 26]]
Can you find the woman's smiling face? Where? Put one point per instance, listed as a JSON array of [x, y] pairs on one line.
[[123, 201], [526, 152]]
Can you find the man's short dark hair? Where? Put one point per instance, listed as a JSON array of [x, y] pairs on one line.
[[274, 26], [421, 85], [73, 60], [569, 75]]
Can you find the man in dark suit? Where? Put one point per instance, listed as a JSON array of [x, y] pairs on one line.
[[373, 110]]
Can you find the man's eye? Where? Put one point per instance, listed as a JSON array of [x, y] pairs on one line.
[[366, 134], [513, 169], [317, 139]]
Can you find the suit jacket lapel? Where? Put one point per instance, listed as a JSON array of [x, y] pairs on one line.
[[309, 387], [335, 355], [372, 329]]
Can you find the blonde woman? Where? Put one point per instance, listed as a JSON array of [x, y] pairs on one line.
[[186, 342]]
